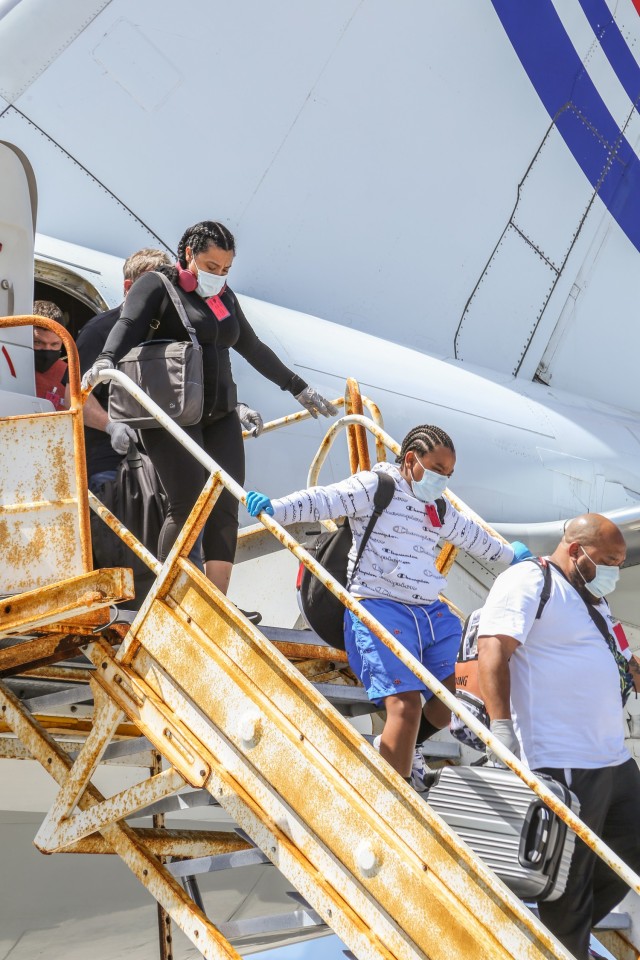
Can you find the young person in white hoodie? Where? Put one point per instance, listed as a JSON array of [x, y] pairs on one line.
[[397, 581]]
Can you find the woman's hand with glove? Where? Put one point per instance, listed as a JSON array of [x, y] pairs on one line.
[[315, 403], [250, 419], [91, 376]]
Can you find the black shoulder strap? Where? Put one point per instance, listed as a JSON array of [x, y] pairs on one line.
[[381, 500], [627, 683], [180, 310], [383, 495], [599, 621], [441, 507], [545, 566], [595, 615]]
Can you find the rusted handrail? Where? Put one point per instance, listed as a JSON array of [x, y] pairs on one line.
[[300, 415], [359, 458], [129, 538], [291, 418], [219, 477]]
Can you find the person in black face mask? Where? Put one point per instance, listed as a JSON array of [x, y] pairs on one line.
[[47, 349]]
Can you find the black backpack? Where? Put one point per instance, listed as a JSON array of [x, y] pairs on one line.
[[323, 612], [137, 499]]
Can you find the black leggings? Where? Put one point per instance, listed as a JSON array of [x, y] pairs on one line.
[[183, 479]]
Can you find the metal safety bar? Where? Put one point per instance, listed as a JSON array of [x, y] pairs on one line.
[[291, 418], [75, 413], [219, 477]]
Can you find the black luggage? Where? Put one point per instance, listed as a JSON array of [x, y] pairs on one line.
[[508, 826], [137, 499]]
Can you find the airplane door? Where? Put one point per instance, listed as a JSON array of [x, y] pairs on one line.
[[18, 203]]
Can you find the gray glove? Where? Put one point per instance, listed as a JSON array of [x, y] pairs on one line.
[[504, 732], [250, 419], [121, 435], [91, 375], [315, 403]]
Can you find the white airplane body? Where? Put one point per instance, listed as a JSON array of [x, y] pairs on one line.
[[453, 187]]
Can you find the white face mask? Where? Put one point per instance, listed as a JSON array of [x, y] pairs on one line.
[[209, 284], [605, 579], [430, 486]]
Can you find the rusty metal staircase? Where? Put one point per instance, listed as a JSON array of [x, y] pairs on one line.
[[217, 709]]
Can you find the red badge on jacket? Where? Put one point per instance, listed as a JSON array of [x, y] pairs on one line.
[[432, 512], [218, 308]]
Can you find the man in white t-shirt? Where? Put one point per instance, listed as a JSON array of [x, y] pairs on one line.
[[552, 688]]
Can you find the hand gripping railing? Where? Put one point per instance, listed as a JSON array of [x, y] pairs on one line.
[[432, 683], [355, 402]]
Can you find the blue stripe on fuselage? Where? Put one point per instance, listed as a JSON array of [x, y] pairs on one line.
[[561, 80], [614, 45]]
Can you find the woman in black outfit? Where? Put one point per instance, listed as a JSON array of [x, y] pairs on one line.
[[205, 254]]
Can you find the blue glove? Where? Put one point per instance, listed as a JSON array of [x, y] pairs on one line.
[[520, 552], [257, 502]]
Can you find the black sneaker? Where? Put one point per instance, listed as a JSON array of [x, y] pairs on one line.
[[252, 615]]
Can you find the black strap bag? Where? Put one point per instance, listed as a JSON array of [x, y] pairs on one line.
[[169, 372], [137, 499], [323, 612], [627, 683]]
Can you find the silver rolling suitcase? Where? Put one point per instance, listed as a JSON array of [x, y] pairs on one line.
[[508, 827]]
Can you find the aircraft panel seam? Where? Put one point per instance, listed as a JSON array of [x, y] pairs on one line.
[[53, 56], [431, 402], [92, 177], [301, 109]]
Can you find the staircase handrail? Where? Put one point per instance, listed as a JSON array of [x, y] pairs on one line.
[[432, 683]]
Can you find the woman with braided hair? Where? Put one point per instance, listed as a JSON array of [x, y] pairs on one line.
[[397, 581], [205, 254]]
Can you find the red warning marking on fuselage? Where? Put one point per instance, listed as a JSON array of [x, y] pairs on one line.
[[12, 369]]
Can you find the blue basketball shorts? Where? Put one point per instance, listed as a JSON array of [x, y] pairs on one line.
[[430, 632]]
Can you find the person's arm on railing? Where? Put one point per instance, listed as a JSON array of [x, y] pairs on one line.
[[494, 681], [463, 532], [347, 498]]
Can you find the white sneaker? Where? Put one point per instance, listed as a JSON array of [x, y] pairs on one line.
[[418, 772], [418, 767]]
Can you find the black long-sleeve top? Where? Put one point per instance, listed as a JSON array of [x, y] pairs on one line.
[[148, 300]]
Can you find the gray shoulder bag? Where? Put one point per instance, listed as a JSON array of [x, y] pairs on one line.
[[169, 372]]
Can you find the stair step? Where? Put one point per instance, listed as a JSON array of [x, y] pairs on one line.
[[278, 923], [350, 701], [287, 635], [127, 748], [75, 693], [614, 921], [223, 861], [180, 801]]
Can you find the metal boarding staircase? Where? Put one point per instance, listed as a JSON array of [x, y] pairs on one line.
[[219, 714]]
